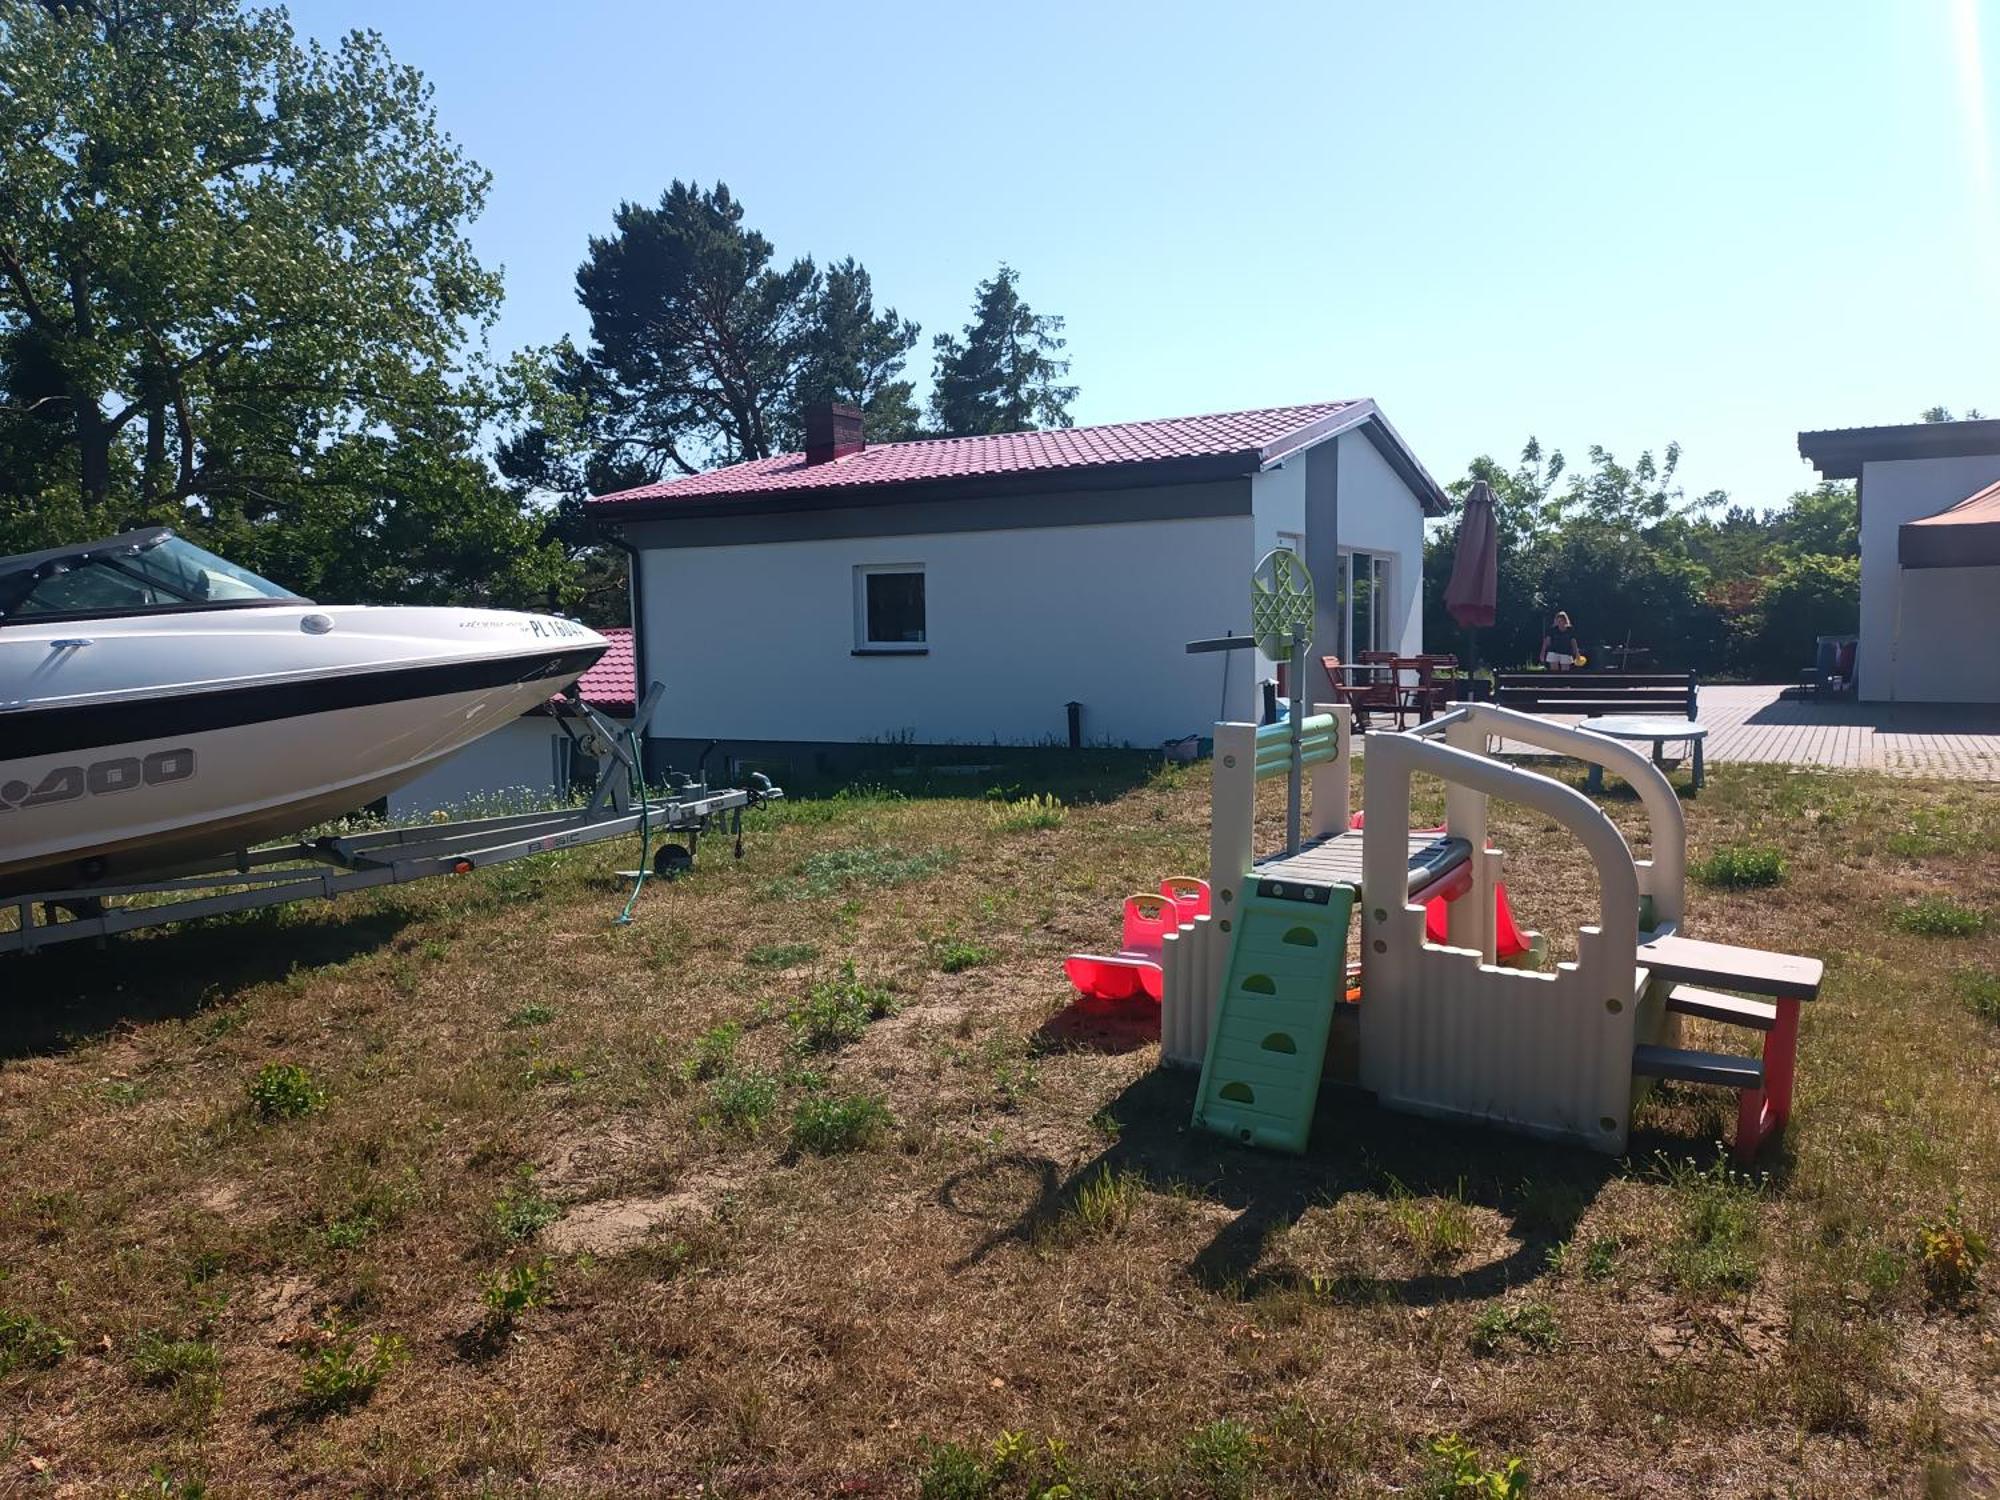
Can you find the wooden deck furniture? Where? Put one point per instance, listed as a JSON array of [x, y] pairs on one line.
[[1367, 688], [1435, 684], [1587, 692]]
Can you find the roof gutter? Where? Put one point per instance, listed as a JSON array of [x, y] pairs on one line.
[[635, 593]]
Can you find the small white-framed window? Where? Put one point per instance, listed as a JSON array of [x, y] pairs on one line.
[[1293, 542], [889, 608]]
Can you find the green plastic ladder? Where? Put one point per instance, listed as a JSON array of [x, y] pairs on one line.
[[1287, 969]]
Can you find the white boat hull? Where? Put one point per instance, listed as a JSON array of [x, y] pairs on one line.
[[129, 755]]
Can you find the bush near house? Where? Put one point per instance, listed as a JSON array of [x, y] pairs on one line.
[[1632, 557]]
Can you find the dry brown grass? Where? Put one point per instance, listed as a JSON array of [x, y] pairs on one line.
[[1037, 1246]]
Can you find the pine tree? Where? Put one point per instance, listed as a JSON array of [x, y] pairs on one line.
[[1005, 374]]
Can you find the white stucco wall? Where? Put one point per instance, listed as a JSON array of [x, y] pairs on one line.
[[1376, 512], [1931, 635], [755, 641], [1278, 503], [1379, 514], [511, 769]]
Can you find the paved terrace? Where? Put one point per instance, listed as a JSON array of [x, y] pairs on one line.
[[1957, 741]]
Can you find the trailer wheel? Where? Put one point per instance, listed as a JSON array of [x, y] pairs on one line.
[[670, 861]]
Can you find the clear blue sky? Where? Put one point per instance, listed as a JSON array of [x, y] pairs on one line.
[[1717, 223]]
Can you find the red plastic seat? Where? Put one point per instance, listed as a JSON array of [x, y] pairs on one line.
[[1135, 967]]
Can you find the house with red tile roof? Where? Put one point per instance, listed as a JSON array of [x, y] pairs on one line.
[[531, 762], [968, 590]]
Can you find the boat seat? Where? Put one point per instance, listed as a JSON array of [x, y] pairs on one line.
[[1731, 1010]]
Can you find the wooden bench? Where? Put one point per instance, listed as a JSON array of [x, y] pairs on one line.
[[1587, 693]]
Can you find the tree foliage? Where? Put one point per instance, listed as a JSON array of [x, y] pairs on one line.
[[705, 350], [237, 295], [1635, 560], [1005, 373]]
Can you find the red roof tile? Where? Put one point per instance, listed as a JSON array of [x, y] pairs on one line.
[[610, 685], [1257, 437]]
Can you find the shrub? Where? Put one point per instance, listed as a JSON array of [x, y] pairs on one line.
[[1950, 1255], [1457, 1469], [344, 1370], [954, 955], [1224, 1456], [530, 1015], [162, 1361], [743, 1101], [830, 1124], [1022, 814], [26, 1342], [1831, 1364], [519, 1289], [522, 1214], [1017, 1465], [1601, 1258], [714, 1051], [1935, 916], [349, 1233], [1716, 1246], [1438, 1231], [837, 1011], [1980, 990], [781, 955], [954, 1472], [285, 1091], [1103, 1204], [1532, 1324], [1741, 865]]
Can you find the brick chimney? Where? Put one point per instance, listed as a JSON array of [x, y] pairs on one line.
[[833, 430]]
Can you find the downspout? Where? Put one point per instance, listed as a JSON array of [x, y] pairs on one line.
[[636, 592]]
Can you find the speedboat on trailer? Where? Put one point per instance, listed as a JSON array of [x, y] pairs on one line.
[[161, 707]]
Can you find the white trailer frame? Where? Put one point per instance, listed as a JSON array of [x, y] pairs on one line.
[[323, 868]]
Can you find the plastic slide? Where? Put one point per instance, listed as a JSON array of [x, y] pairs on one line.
[[1135, 967]]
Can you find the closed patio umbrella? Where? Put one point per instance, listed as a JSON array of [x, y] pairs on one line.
[[1472, 596]]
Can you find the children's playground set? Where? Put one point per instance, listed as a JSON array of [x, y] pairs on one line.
[[1446, 1012]]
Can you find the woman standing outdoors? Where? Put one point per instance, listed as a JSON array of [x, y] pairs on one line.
[[1559, 651]]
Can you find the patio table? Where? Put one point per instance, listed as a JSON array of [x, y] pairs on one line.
[[1659, 728]]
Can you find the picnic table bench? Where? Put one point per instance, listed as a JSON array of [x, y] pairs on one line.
[[1588, 693]]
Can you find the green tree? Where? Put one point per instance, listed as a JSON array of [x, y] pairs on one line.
[[1005, 374], [235, 286], [697, 339], [1825, 519], [558, 458], [704, 351], [1610, 543], [1808, 596], [855, 354]]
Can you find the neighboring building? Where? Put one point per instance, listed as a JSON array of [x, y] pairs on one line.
[[530, 762], [965, 590], [1930, 556]]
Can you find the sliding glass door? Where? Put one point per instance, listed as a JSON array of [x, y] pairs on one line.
[[1365, 592]]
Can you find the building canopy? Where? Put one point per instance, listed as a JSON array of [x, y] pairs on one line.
[[1965, 535]]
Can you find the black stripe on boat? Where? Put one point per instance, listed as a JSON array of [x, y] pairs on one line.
[[95, 726]]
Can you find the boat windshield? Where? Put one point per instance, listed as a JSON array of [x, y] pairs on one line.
[[161, 572]]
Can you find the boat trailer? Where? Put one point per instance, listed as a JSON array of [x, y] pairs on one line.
[[275, 874]]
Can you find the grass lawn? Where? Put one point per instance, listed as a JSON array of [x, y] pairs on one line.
[[811, 1182]]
